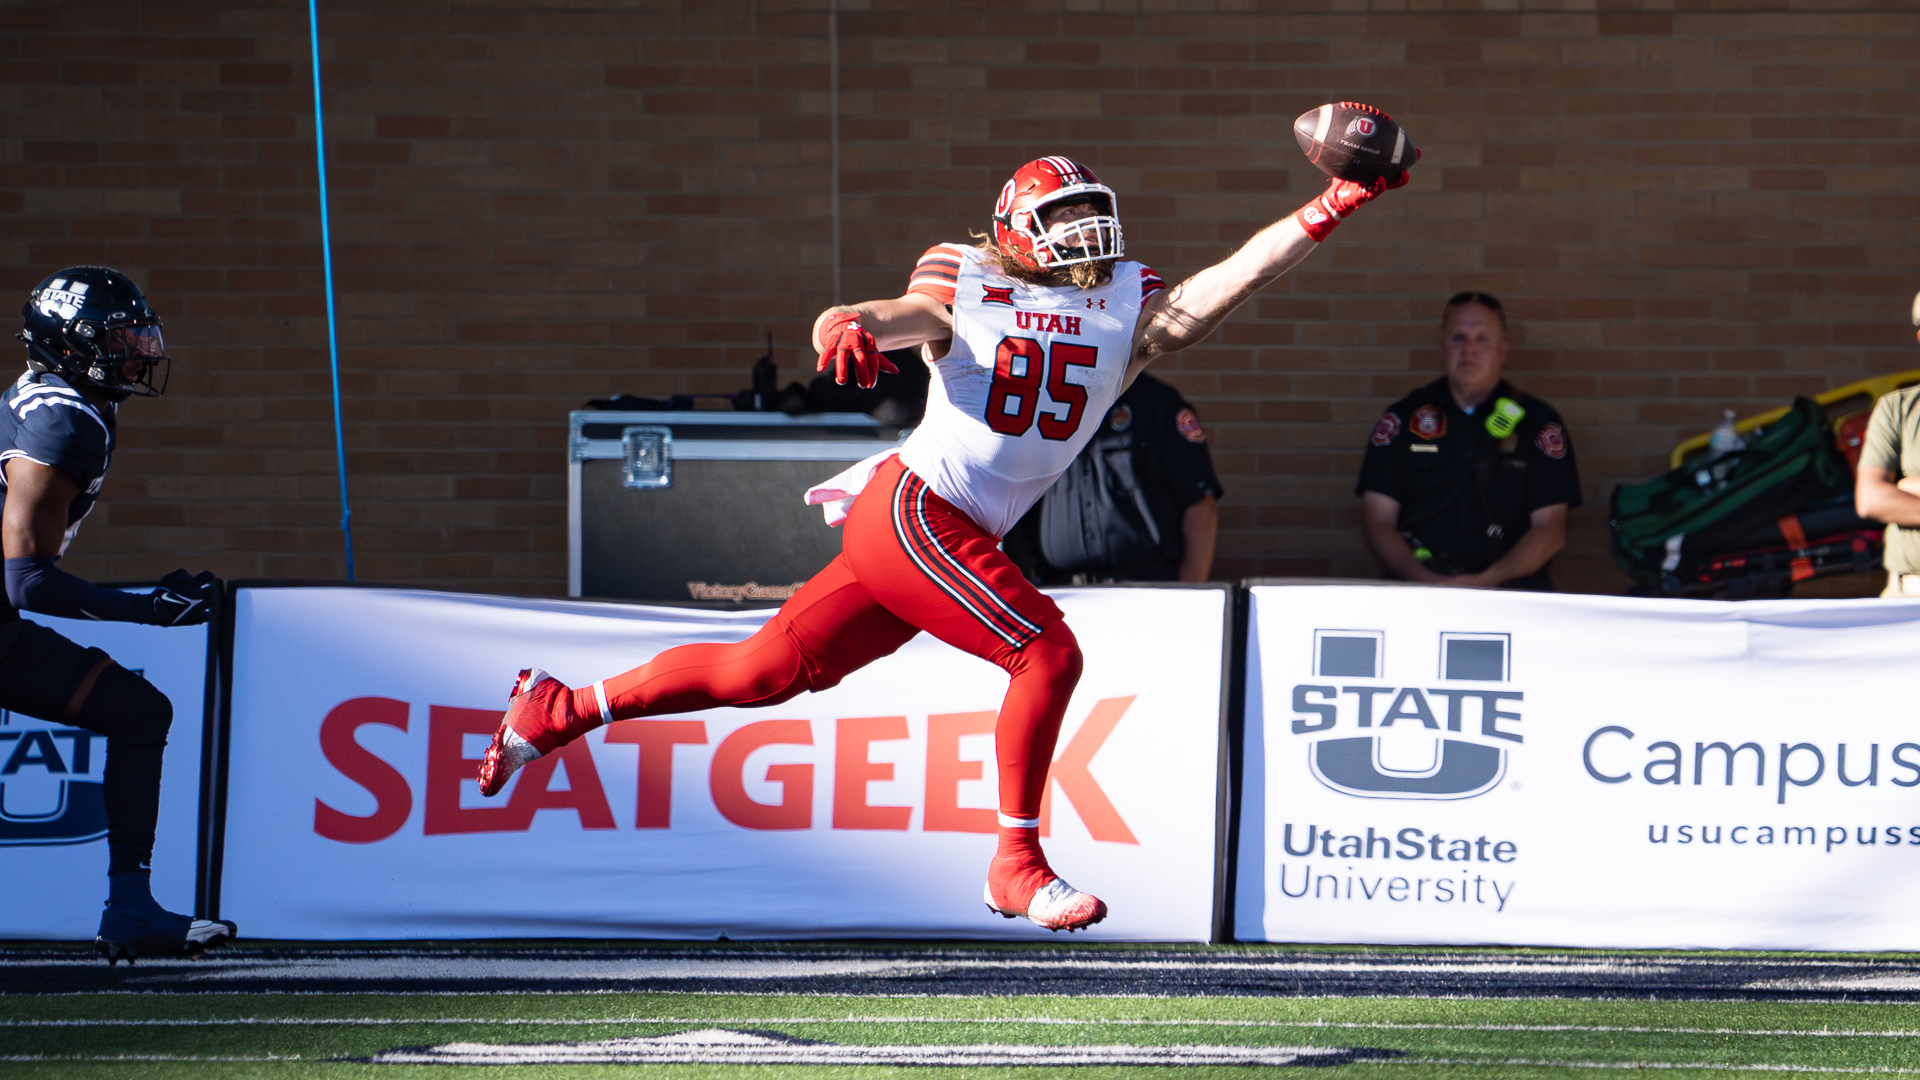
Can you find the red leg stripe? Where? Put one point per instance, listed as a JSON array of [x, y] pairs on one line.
[[953, 577]]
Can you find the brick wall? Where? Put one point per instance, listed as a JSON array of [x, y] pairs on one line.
[[1687, 205]]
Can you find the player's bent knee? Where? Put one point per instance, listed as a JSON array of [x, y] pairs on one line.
[[820, 677], [1054, 656], [766, 669], [128, 707]]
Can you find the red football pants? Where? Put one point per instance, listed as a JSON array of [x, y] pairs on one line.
[[909, 562]]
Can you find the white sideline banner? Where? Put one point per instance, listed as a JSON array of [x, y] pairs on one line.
[[359, 716], [1442, 766], [53, 828]]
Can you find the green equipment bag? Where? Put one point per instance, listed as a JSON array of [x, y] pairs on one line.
[[1700, 509]]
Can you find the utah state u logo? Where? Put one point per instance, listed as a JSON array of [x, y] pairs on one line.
[[51, 789], [1408, 742]]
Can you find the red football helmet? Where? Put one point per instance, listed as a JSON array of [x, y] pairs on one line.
[[1039, 184]]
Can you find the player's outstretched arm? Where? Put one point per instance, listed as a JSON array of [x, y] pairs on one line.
[[851, 337], [1185, 314], [32, 527]]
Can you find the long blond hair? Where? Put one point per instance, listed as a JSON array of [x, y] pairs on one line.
[[1086, 275]]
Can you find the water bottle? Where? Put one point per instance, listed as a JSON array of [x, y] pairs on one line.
[[1725, 439]]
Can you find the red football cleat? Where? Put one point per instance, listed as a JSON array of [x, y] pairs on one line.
[[537, 723], [1054, 904]]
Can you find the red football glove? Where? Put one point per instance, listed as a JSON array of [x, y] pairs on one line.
[[845, 343], [1343, 197]]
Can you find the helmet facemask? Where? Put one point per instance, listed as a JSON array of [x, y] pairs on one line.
[[1082, 240], [125, 346], [1019, 215], [107, 356]]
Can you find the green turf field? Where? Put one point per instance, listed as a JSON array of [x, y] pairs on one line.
[[284, 1035]]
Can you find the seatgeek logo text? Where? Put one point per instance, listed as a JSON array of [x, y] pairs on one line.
[[1372, 735], [760, 776]]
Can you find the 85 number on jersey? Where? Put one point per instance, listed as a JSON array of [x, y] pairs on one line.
[[1020, 366]]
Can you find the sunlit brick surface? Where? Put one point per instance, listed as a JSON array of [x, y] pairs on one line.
[[1688, 205]]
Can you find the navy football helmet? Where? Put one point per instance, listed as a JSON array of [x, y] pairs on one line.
[[91, 324]]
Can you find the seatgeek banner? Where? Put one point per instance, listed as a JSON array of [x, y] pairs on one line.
[[53, 816], [360, 715], [1430, 765]]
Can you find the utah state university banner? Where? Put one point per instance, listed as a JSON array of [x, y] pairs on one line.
[[867, 810], [1432, 765]]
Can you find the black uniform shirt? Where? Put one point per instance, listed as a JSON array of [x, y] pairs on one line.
[[1117, 512], [1454, 480], [44, 419]]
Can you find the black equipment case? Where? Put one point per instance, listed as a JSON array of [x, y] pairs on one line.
[[704, 505]]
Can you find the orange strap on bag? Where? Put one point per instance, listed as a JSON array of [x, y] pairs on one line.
[[1796, 538]]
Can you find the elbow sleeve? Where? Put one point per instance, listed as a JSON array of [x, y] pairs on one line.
[[35, 584], [18, 586]]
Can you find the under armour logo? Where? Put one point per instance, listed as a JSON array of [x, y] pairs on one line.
[[1096, 304]]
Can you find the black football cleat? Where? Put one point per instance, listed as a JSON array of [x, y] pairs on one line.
[[140, 927]]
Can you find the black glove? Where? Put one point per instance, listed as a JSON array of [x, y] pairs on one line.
[[184, 601]]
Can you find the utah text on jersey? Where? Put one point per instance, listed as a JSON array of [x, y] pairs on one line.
[[1030, 372]]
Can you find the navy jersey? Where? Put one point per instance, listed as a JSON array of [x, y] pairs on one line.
[[46, 420]]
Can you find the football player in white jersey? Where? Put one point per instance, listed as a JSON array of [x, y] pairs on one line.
[[1032, 335]]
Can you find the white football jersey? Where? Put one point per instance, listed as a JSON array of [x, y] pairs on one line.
[[1031, 372]]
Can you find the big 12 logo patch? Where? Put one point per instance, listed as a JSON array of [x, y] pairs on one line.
[[1408, 742]]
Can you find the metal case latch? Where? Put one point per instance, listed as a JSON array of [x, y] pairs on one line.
[[646, 459]]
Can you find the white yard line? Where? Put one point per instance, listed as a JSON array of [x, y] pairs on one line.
[[1544, 1063], [1475, 1062], [147, 1057], [383, 1021]]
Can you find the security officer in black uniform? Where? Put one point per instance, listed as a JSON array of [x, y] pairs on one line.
[[1140, 503], [1467, 481]]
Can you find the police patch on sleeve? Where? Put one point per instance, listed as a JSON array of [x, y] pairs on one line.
[[1189, 426], [1552, 441], [1386, 428]]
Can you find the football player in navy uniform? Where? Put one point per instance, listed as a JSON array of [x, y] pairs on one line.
[[92, 342]]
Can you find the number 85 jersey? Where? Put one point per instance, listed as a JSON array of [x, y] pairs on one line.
[[1030, 372]]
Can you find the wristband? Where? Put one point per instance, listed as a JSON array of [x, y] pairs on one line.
[[1318, 218]]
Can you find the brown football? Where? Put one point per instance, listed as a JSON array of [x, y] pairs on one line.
[[1353, 142]]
